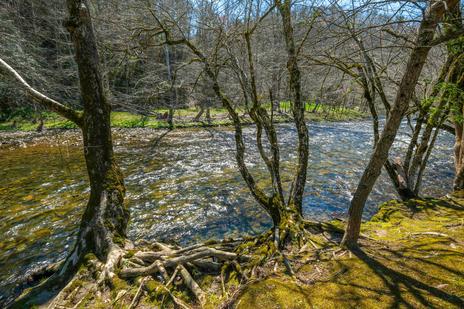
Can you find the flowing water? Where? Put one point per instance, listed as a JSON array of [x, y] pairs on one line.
[[181, 186]]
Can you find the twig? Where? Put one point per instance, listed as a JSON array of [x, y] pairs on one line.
[[431, 233], [175, 299], [138, 294], [173, 276], [192, 285]]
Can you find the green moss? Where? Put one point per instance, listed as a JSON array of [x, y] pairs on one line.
[[412, 258], [274, 293]]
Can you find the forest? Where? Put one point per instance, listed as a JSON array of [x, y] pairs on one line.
[[231, 154]]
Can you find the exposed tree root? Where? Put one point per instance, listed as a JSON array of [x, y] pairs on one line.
[[207, 257], [158, 272], [112, 262]]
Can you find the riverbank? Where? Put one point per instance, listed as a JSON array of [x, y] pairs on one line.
[[183, 118], [411, 256], [56, 129]]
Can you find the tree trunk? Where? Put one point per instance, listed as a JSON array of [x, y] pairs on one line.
[[171, 118], [296, 196], [456, 98], [459, 140], [458, 160], [414, 67], [103, 225], [105, 218], [208, 115], [200, 113], [287, 222], [399, 178]]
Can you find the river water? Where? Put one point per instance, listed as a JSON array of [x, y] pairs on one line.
[[182, 186]]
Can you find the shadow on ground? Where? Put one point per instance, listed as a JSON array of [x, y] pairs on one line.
[[411, 256]]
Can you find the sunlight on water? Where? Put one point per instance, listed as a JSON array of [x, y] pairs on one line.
[[182, 187]]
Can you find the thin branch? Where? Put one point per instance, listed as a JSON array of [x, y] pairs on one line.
[[40, 98]]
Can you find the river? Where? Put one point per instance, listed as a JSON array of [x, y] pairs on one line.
[[182, 186]]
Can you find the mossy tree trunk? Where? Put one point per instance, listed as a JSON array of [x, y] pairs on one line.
[[457, 100], [103, 226], [454, 93], [405, 92], [105, 219], [296, 194]]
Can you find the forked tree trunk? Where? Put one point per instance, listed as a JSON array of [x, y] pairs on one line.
[[200, 113], [299, 182], [103, 226], [408, 83], [286, 215]]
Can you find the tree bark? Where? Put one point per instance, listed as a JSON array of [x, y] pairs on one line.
[[103, 226], [408, 83], [105, 218], [457, 77], [299, 182], [456, 97]]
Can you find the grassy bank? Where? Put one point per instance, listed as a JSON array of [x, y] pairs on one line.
[[183, 118]]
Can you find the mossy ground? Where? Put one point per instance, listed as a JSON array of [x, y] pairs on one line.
[[183, 118], [411, 256]]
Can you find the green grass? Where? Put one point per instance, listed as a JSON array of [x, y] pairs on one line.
[[182, 118]]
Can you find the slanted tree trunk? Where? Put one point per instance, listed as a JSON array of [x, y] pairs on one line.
[[399, 178], [103, 226], [457, 78], [200, 113], [408, 83], [454, 88]]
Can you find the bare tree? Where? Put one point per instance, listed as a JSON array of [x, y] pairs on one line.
[[285, 211], [370, 73], [103, 226], [417, 58]]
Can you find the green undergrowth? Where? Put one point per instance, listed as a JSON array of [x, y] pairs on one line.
[[183, 118]]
